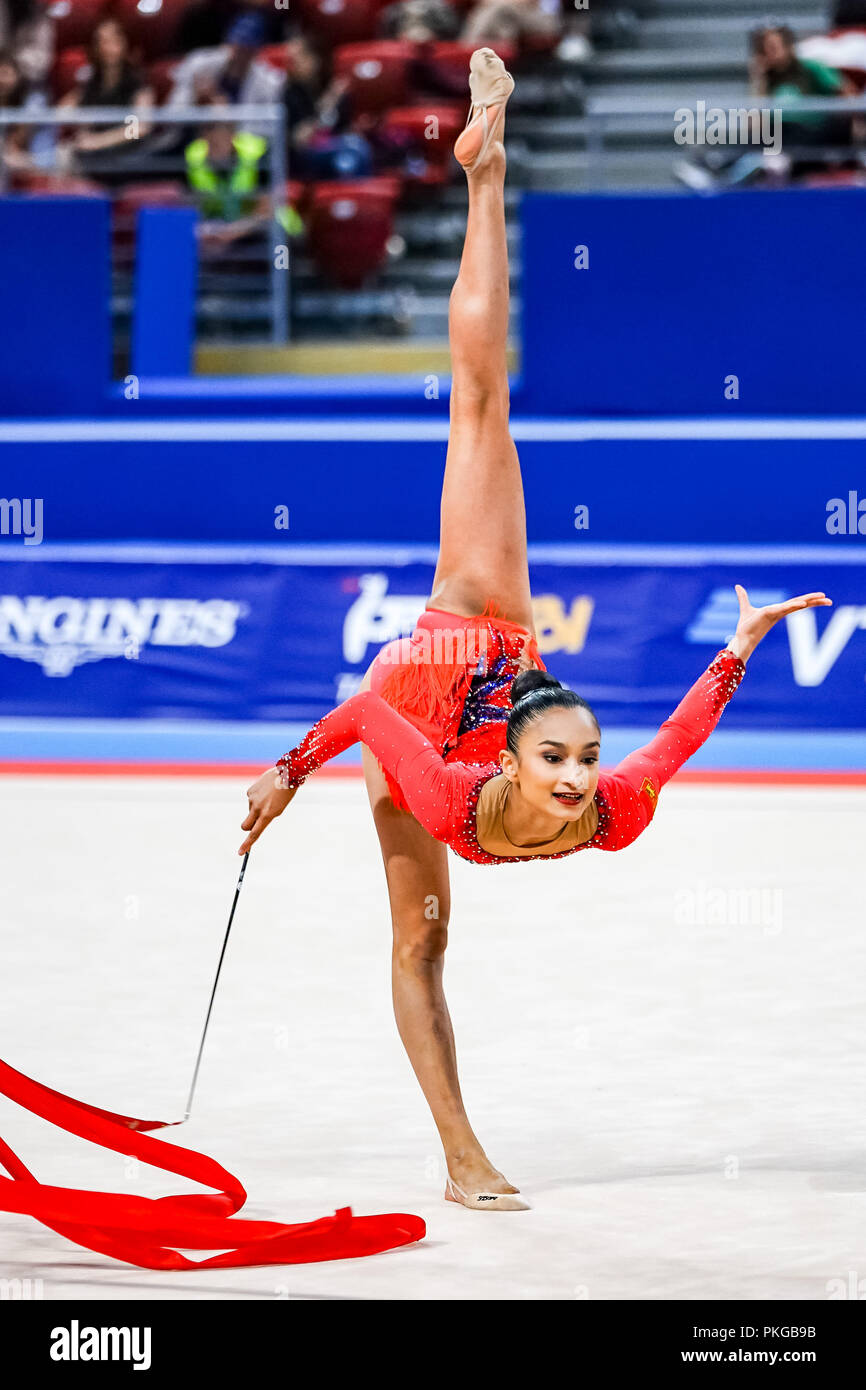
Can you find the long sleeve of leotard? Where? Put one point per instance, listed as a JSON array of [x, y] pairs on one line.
[[436, 792], [631, 790]]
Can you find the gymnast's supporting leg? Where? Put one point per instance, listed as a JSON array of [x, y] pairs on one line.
[[416, 869]]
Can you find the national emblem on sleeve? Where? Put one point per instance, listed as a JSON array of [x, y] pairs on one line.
[[648, 790]]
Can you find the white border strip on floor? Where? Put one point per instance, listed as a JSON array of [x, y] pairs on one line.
[[357, 553], [415, 430]]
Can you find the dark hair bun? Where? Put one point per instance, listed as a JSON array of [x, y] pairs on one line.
[[527, 681]]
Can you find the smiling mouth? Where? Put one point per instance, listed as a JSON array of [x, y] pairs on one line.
[[569, 799]]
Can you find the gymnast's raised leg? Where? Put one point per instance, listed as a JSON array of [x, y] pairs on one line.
[[482, 557]]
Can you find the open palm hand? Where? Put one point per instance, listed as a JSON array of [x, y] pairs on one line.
[[755, 623]]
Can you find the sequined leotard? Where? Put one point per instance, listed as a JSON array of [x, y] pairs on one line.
[[443, 796], [452, 679]]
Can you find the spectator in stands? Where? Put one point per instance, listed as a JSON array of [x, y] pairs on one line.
[[319, 113], [511, 21], [27, 33], [204, 25], [420, 21], [848, 14], [776, 71], [23, 149], [276, 22], [14, 140], [223, 167], [13, 88], [780, 77], [230, 74], [224, 172], [601, 24], [113, 80]]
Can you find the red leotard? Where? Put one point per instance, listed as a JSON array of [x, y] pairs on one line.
[[443, 796], [452, 679]]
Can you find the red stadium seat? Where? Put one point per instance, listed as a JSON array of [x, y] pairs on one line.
[[348, 226], [383, 188], [447, 62], [56, 186], [149, 24], [834, 178], [341, 21], [141, 195], [296, 193], [74, 20], [275, 55], [378, 72], [149, 195], [428, 132], [71, 66], [856, 76], [539, 43]]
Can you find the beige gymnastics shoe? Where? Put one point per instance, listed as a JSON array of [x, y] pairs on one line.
[[490, 87], [485, 1201]]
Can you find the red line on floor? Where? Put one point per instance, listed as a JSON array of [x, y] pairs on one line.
[[96, 769]]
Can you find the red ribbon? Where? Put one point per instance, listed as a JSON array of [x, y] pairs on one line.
[[143, 1230]]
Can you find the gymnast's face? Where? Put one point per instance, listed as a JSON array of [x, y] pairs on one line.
[[557, 764]]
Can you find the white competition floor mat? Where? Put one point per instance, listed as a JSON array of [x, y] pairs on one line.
[[663, 1048]]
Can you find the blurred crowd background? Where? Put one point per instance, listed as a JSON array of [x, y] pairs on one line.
[[349, 165]]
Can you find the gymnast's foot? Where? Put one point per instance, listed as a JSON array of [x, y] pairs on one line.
[[490, 86], [474, 1182]]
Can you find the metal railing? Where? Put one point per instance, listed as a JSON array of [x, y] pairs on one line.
[[602, 118], [597, 126], [271, 117]]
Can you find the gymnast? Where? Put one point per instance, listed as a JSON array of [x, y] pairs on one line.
[[468, 741]]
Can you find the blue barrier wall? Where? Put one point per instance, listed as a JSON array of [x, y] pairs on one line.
[[166, 269], [381, 480], [226, 639], [54, 305], [679, 294]]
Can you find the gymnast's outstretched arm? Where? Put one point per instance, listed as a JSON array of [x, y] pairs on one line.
[[631, 790], [436, 792]]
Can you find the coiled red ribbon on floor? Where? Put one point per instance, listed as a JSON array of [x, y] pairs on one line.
[[143, 1231]]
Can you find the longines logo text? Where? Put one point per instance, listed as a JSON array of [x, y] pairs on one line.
[[62, 633], [77, 1343]]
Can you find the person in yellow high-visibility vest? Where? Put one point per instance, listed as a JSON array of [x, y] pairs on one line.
[[226, 193], [223, 168]]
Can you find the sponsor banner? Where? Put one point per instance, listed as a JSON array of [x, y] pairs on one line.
[[226, 640]]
